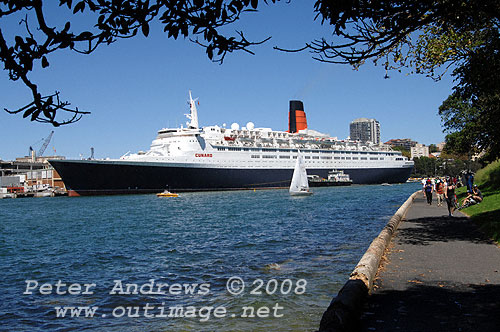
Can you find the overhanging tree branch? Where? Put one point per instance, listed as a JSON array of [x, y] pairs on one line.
[[116, 19]]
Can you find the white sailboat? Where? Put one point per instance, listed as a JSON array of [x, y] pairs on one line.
[[300, 184]]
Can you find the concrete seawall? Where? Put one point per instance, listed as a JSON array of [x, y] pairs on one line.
[[345, 308]]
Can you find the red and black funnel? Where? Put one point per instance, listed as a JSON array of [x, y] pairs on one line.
[[297, 117]]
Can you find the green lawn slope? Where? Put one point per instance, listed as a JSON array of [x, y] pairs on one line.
[[487, 213]]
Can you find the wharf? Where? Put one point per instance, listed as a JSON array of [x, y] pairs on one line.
[[33, 194], [440, 274]]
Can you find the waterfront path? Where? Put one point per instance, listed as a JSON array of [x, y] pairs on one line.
[[440, 274]]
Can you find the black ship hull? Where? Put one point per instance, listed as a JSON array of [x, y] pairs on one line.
[[103, 177]]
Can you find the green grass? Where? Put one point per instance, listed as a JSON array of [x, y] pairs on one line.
[[489, 177], [487, 213]]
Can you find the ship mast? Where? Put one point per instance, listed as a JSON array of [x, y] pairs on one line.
[[193, 116]]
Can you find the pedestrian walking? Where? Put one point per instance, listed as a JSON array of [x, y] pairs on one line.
[[449, 193], [440, 192], [428, 191]]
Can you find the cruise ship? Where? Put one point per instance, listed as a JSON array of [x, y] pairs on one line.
[[195, 158]]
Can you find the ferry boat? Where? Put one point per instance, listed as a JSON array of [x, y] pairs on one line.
[[219, 158], [335, 178]]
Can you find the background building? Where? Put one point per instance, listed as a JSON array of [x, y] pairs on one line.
[[419, 150], [440, 146], [405, 143], [365, 130]]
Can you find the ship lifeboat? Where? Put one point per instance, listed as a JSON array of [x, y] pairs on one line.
[[227, 138]]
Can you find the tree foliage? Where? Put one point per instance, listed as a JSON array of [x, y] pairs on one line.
[[425, 166], [113, 19], [460, 120], [420, 35], [471, 115], [424, 36], [431, 167], [433, 148]]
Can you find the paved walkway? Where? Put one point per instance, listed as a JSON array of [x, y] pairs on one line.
[[442, 274]]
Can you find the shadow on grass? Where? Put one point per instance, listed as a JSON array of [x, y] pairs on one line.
[[453, 307], [489, 223], [442, 229], [493, 182]]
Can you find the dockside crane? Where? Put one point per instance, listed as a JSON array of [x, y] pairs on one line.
[[44, 145]]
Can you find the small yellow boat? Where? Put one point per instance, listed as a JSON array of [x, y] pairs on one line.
[[167, 193]]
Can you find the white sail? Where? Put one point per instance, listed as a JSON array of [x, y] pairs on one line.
[[295, 185], [304, 183], [193, 115], [299, 184]]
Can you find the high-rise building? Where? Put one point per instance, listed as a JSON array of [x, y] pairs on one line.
[[365, 130]]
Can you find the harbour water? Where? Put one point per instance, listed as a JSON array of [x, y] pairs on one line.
[[293, 255]]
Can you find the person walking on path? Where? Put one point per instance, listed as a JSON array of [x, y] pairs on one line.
[[428, 188], [449, 194], [440, 192]]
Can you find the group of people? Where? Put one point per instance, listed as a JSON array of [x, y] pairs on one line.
[[445, 190]]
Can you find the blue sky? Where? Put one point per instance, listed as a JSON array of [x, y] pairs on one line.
[[135, 87]]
